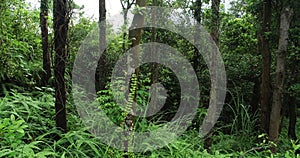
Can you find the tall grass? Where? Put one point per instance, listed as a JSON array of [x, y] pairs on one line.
[[243, 135], [27, 126], [243, 122]]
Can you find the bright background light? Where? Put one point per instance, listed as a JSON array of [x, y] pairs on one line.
[[113, 7], [91, 7]]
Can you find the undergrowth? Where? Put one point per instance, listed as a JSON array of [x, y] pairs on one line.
[[27, 127]]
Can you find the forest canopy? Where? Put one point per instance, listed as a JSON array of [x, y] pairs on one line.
[[214, 82]]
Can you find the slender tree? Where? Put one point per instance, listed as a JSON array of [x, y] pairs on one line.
[[153, 66], [60, 22], [292, 111], [126, 5], [102, 67], [44, 31], [285, 20], [214, 32], [215, 21], [266, 64], [197, 16], [135, 36], [293, 75]]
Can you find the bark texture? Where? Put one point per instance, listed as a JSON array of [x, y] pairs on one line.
[[292, 118], [266, 64], [135, 35], [285, 19], [215, 21], [214, 32], [60, 37], [153, 66], [197, 16], [44, 31], [101, 76]]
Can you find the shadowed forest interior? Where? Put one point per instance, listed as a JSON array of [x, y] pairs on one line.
[[61, 70]]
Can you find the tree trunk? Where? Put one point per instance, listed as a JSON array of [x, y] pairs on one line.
[[197, 16], [292, 106], [215, 21], [266, 63], [153, 66], [101, 75], [292, 116], [46, 54], [214, 32], [135, 35], [126, 5], [60, 36], [285, 19]]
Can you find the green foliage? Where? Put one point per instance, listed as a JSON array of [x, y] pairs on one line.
[[242, 135], [27, 111], [12, 131], [110, 107], [243, 122], [239, 47], [21, 121], [19, 43], [27, 131], [78, 30]]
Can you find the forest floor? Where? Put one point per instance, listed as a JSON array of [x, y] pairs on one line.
[[27, 126]]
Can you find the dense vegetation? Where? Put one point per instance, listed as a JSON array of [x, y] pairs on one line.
[[32, 102]]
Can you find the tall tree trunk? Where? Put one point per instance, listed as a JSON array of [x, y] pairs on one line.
[[214, 32], [285, 19], [44, 31], [153, 66], [292, 106], [197, 6], [126, 5], [135, 36], [60, 36], [292, 117], [266, 63], [215, 21], [197, 16], [101, 75]]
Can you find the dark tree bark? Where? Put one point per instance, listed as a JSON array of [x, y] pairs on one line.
[[126, 5], [197, 16], [292, 118], [214, 32], [153, 66], [44, 31], [292, 104], [215, 21], [154, 71], [60, 22], [266, 63], [135, 36], [285, 19], [102, 69]]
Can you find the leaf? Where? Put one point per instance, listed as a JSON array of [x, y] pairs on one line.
[[44, 154], [12, 117], [93, 147], [63, 155], [5, 152]]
